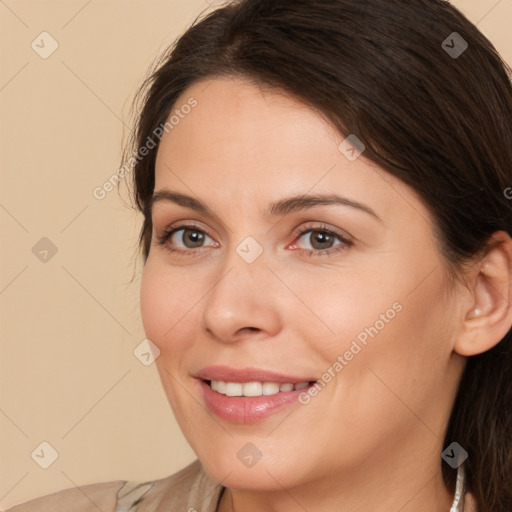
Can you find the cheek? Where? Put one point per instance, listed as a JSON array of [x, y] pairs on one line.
[[386, 323], [405, 360], [163, 303], [152, 301], [170, 305], [343, 307]]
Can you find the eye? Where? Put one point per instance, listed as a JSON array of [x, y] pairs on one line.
[[189, 236], [322, 239]]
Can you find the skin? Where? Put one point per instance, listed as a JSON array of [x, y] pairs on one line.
[[372, 438]]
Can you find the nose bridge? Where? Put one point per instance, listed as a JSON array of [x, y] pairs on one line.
[[245, 255], [243, 268], [239, 297]]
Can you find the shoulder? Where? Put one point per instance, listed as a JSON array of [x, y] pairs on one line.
[[188, 490], [80, 499]]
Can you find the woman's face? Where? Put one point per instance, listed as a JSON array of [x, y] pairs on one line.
[[360, 302]]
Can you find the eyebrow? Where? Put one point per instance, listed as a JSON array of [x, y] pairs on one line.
[[281, 207]]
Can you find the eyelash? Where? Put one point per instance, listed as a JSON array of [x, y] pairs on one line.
[[167, 233]]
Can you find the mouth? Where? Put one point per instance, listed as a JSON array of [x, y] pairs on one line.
[[247, 396]]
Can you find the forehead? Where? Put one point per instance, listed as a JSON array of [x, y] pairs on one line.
[[241, 144], [235, 120]]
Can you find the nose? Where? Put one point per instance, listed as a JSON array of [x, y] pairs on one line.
[[243, 302]]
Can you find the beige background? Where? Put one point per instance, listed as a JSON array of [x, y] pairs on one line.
[[68, 375]]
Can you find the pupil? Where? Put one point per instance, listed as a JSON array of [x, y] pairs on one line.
[[321, 235], [195, 237]]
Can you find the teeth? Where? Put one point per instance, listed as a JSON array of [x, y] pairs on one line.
[[253, 388], [270, 388], [218, 385], [234, 389]]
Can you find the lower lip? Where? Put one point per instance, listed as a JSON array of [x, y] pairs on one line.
[[247, 409]]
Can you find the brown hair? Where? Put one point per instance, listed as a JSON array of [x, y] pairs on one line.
[[441, 122]]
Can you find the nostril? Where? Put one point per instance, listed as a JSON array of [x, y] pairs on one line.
[[249, 329]]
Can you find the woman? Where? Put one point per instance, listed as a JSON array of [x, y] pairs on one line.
[[328, 261]]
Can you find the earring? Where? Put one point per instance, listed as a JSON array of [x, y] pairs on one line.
[[477, 312]]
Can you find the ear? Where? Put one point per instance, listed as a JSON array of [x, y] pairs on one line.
[[487, 313]]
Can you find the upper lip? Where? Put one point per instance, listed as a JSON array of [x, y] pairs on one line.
[[229, 374]]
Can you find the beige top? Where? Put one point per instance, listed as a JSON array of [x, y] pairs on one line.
[[188, 490]]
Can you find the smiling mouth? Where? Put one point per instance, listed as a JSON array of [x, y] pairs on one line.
[[255, 388]]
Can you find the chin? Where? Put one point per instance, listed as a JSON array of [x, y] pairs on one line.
[[233, 467]]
